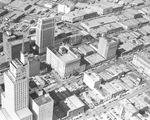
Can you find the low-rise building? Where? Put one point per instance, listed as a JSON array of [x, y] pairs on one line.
[[86, 49], [141, 61], [92, 80], [102, 8], [94, 59], [72, 106], [73, 16], [65, 7], [94, 23], [128, 82], [117, 87], [129, 107]]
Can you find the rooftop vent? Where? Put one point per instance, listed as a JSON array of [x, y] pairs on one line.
[[63, 50]]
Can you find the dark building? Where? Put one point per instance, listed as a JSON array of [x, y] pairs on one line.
[[13, 45], [3, 12], [1, 36], [45, 34]]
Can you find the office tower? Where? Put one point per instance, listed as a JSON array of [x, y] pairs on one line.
[[107, 47], [15, 98], [41, 106], [13, 45], [45, 34]]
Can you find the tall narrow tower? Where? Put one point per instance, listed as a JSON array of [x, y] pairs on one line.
[[45, 33], [16, 98], [23, 54]]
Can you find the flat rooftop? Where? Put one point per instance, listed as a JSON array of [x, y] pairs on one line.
[[99, 21], [145, 56], [41, 100], [16, 63], [64, 54], [94, 58], [73, 102], [109, 40], [23, 113], [94, 76], [85, 48], [18, 41], [67, 57], [3, 58]]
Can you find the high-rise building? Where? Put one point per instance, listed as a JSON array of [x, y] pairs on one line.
[[63, 60], [45, 34], [107, 47], [13, 45], [33, 63], [15, 98], [41, 106]]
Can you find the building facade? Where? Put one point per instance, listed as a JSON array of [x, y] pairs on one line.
[[13, 45], [72, 106], [141, 61], [107, 47], [45, 33], [64, 63], [15, 98], [92, 79], [42, 107]]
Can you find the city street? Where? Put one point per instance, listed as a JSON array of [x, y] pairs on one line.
[[100, 109]]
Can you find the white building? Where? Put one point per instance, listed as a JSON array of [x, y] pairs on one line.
[[107, 47], [41, 106], [91, 79], [141, 61], [65, 8], [72, 106], [73, 16], [63, 60], [15, 98]]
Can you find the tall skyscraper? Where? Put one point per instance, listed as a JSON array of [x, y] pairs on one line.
[[15, 99], [107, 47], [45, 34], [13, 45]]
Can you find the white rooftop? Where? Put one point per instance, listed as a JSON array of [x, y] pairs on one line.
[[67, 57], [94, 58], [17, 63], [23, 113], [74, 102], [94, 76]]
